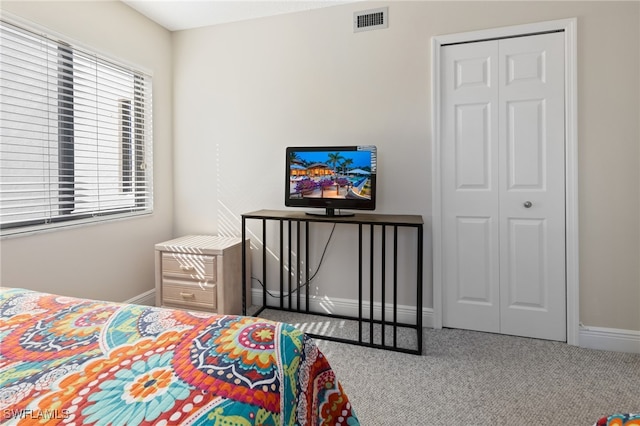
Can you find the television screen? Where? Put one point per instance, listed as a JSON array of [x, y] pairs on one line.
[[331, 177]]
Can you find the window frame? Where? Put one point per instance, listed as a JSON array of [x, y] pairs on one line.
[[136, 160]]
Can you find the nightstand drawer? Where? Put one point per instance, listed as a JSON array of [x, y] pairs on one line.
[[189, 266], [175, 292]]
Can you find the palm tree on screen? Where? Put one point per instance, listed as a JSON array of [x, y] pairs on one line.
[[345, 165], [334, 159]]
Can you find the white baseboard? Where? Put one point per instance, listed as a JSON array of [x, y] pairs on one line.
[[147, 298], [349, 307], [610, 339]]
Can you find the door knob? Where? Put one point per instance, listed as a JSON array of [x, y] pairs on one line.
[[527, 204]]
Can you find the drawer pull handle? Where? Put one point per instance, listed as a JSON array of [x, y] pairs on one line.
[[187, 268], [187, 295]]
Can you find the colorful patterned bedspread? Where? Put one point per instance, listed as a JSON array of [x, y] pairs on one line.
[[73, 361], [619, 420]]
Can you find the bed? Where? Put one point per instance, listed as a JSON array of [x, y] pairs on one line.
[[66, 360], [619, 420]]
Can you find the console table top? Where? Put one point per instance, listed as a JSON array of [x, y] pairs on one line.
[[364, 218]]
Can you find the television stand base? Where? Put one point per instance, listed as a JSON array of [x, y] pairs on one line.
[[330, 213], [377, 264]]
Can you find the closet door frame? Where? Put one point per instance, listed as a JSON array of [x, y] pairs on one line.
[[569, 27]]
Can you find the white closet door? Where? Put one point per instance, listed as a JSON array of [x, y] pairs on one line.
[[470, 190], [532, 211], [503, 186]]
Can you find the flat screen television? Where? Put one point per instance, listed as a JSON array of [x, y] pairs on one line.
[[331, 178]]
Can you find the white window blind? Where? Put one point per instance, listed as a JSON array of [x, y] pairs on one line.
[[75, 141]]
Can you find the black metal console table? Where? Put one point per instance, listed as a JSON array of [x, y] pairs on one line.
[[363, 222]]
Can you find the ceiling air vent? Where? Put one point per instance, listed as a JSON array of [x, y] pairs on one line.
[[373, 19]]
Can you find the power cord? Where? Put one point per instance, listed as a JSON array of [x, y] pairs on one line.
[[307, 282]]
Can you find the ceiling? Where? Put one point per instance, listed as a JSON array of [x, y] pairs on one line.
[[177, 15]]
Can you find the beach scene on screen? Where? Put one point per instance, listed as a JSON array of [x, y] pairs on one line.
[[331, 174]]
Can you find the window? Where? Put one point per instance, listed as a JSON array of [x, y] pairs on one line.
[[75, 134]]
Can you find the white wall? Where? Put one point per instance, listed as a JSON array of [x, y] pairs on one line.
[[112, 261], [245, 91]]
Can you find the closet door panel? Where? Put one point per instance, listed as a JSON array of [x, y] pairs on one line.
[[532, 210], [470, 187]]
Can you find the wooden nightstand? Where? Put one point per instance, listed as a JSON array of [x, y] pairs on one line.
[[201, 272]]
